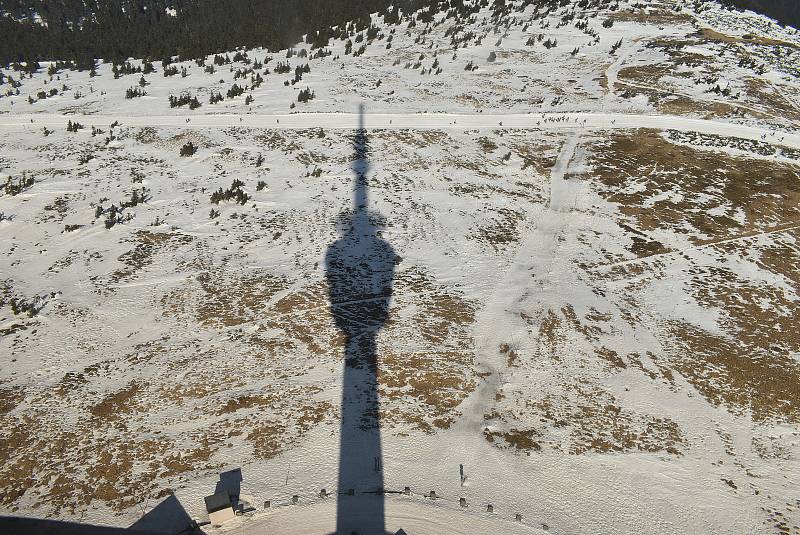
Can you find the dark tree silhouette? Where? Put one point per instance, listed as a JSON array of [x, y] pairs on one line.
[[360, 270]]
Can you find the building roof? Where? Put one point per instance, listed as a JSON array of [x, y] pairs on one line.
[[217, 502]]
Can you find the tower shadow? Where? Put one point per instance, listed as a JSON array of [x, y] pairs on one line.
[[359, 268]]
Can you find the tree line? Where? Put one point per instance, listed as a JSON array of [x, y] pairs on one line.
[[115, 30], [784, 11]]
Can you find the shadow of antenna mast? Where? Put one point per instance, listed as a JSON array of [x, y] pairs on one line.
[[359, 268]]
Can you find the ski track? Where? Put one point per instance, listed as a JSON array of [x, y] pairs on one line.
[[539, 244], [539, 121]]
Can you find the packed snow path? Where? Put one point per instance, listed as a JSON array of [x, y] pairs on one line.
[[415, 515], [349, 121]]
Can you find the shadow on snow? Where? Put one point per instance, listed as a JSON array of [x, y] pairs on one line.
[[359, 268]]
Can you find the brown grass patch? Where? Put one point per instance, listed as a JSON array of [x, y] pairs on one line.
[[512, 357], [645, 74], [422, 387], [117, 403], [541, 158], [148, 244], [225, 299], [487, 145], [274, 436], [502, 231], [761, 94], [515, 438], [725, 373], [549, 332], [767, 194], [69, 469], [651, 16], [595, 423], [10, 398], [713, 35], [611, 358], [680, 105], [469, 100], [415, 138]]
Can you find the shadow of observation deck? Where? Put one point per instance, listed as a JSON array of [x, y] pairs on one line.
[[359, 268]]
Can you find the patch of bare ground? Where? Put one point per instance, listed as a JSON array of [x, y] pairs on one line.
[[117, 404], [148, 244], [425, 385], [278, 418], [304, 316], [557, 330], [760, 94], [645, 74], [750, 368], [524, 440], [591, 327], [414, 138], [502, 231], [611, 358], [487, 145], [478, 166], [72, 380], [653, 16], [596, 326], [120, 450], [511, 354], [215, 298], [593, 421], [649, 80], [150, 136], [670, 103], [539, 158], [9, 398], [423, 389], [761, 385], [422, 386], [680, 105], [279, 140], [704, 194], [469, 100], [64, 469], [713, 35]]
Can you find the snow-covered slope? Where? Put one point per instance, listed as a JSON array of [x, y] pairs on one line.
[[593, 307]]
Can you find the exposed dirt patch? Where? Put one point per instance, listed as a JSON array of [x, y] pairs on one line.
[[424, 386]]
